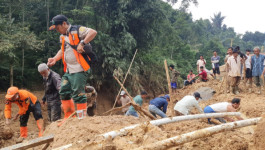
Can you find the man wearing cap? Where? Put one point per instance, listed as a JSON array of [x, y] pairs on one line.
[[52, 85], [158, 106], [27, 102], [257, 65], [76, 63], [138, 100], [185, 105], [124, 99], [234, 67]]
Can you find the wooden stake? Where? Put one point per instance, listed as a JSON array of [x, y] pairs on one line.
[[125, 78], [136, 107], [171, 106]]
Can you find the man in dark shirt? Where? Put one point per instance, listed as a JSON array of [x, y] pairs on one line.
[[52, 85], [158, 106]]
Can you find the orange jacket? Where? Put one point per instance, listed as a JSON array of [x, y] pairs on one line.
[[23, 103], [74, 40]]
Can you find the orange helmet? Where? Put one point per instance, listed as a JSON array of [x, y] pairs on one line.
[[11, 92]]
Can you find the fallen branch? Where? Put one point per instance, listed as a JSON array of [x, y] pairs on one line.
[[188, 137], [113, 110], [163, 121], [136, 107]]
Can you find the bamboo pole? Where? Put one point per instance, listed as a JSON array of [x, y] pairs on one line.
[[136, 107], [171, 106], [163, 121], [125, 78], [188, 137]]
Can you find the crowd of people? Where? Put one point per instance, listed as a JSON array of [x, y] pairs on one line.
[[70, 94]]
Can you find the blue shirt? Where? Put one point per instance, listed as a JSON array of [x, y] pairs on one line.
[[257, 65], [138, 100], [160, 102], [217, 58]]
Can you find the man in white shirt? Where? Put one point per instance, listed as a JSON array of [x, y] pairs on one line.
[[185, 105], [124, 99], [248, 71], [223, 107], [202, 62], [234, 66], [229, 54]]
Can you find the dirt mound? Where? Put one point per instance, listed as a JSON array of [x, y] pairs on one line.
[[86, 130], [259, 137]]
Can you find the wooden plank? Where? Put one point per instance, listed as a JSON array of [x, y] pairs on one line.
[[125, 78], [171, 106], [31, 143]]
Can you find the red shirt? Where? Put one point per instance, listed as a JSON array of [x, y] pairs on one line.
[[204, 75]]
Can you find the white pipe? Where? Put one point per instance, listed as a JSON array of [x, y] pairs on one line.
[[188, 137], [163, 121]]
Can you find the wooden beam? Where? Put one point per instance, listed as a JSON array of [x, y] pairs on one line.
[[125, 78], [32, 143], [171, 104], [136, 106]]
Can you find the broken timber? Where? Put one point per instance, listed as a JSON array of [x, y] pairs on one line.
[[136, 107], [191, 136], [30, 144]]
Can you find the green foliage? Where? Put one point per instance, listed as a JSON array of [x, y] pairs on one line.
[[151, 26]]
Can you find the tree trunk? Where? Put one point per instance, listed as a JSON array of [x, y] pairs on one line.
[[171, 104]]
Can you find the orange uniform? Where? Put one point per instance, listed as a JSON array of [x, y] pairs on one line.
[[23, 103]]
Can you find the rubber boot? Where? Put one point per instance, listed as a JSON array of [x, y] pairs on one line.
[[68, 107], [23, 134], [81, 107], [236, 90], [40, 125]]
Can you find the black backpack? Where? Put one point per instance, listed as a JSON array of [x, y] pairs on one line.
[[88, 48]]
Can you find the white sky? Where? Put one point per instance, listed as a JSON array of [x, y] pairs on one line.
[[243, 15]]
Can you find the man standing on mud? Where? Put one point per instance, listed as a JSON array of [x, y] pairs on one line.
[[76, 65], [229, 54], [174, 78], [215, 60], [257, 65], [248, 71], [234, 66], [52, 85]]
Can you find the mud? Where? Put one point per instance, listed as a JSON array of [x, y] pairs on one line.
[[84, 134]]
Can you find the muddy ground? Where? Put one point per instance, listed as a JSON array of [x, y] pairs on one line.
[[84, 134]]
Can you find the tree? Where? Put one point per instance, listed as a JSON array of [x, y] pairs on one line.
[[217, 20]]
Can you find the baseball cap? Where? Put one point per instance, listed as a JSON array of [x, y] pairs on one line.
[[59, 19], [122, 93], [11, 92], [167, 96], [196, 94], [42, 67]]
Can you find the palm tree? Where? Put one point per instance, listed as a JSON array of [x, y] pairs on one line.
[[217, 20]]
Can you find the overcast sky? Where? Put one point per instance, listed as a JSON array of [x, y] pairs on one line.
[[243, 15]]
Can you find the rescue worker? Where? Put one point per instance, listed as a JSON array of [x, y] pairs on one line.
[[27, 102], [76, 63], [52, 85]]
